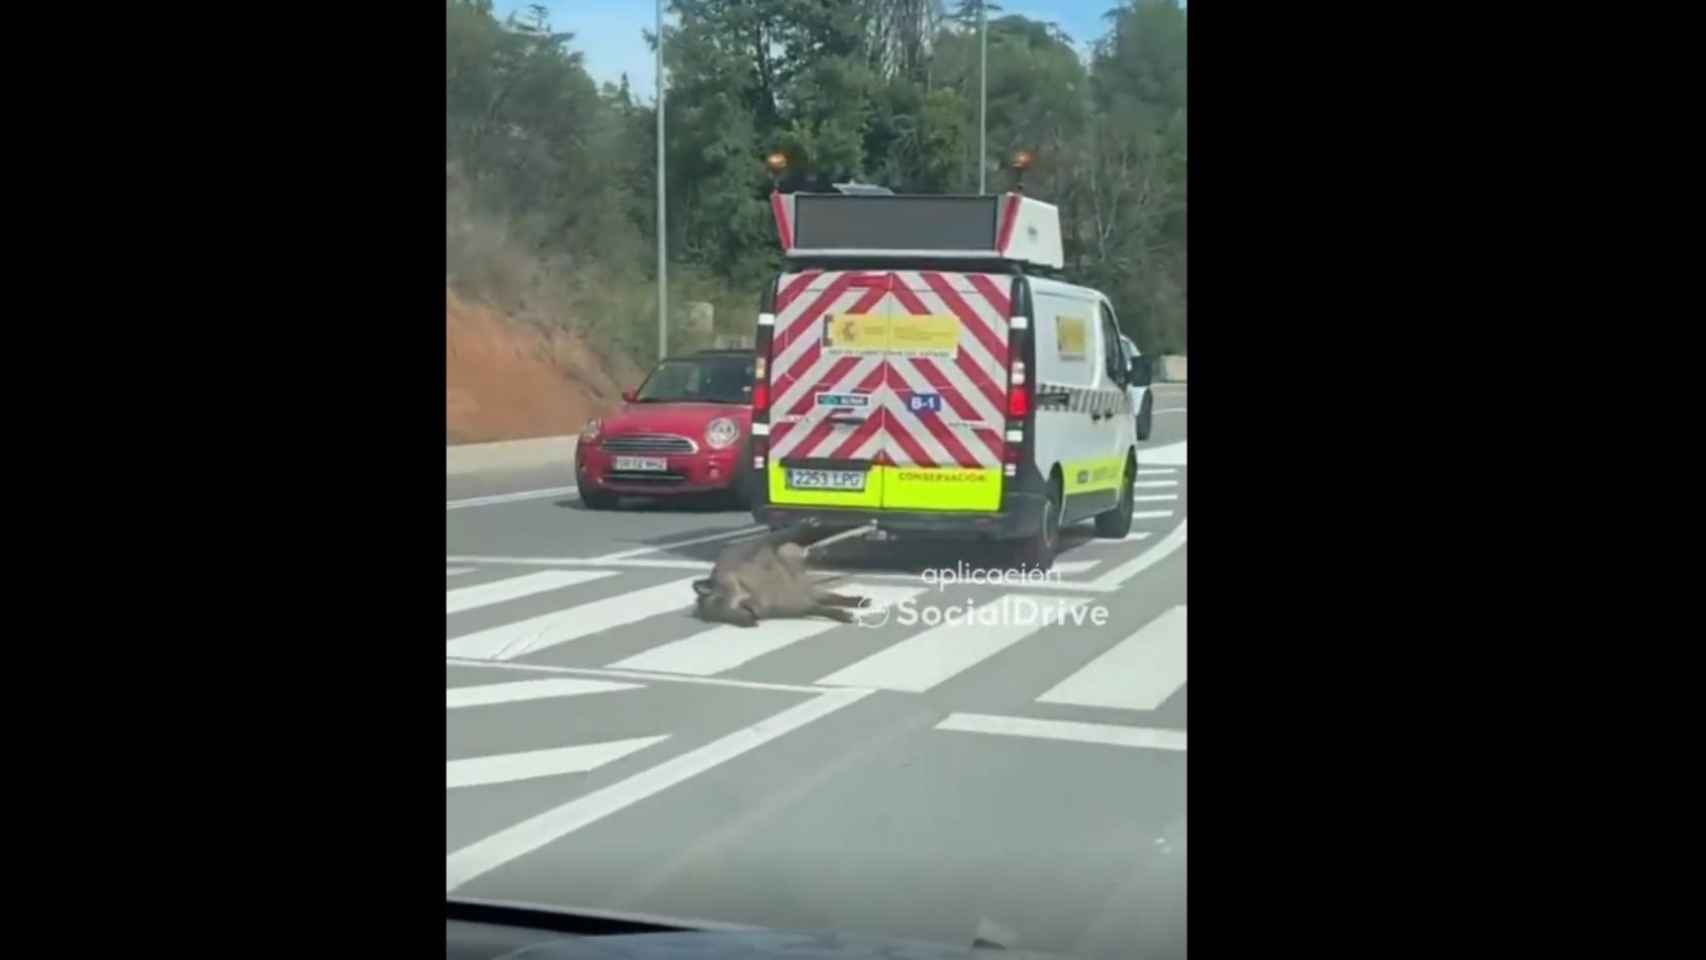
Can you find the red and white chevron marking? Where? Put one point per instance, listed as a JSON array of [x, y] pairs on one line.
[[968, 432]]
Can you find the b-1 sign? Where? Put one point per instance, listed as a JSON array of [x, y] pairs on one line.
[[925, 402]]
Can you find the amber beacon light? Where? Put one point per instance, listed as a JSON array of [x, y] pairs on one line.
[[1020, 163]]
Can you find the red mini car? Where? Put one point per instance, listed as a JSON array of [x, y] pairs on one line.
[[685, 431]]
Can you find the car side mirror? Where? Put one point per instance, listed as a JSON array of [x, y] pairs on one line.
[[1142, 371], [628, 396]]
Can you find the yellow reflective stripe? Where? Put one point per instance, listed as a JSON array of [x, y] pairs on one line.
[[1088, 476], [901, 488], [941, 488]]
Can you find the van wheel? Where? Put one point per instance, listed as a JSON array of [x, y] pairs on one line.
[[1037, 551], [598, 499], [1116, 523]]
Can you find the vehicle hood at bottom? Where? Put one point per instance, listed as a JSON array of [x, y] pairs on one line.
[[788, 945]]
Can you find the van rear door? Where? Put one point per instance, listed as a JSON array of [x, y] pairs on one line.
[[826, 411], [945, 402]]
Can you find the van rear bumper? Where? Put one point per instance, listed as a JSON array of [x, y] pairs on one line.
[[1020, 516]]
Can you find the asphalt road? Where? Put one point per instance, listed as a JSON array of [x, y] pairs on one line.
[[604, 749]]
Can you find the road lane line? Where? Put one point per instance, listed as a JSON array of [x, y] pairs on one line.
[[1069, 567], [510, 497], [722, 535], [1155, 498], [487, 694], [1113, 579], [1153, 484], [1043, 587], [514, 588], [533, 764], [1141, 738], [1168, 455], [518, 639], [636, 675], [483, 856], [683, 564], [1131, 536], [726, 647], [1138, 673], [926, 659], [1156, 471], [1150, 514], [457, 571]]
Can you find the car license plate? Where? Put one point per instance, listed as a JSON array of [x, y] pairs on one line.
[[826, 479], [642, 463]]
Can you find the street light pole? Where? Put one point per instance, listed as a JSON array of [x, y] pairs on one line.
[[663, 264], [982, 94]]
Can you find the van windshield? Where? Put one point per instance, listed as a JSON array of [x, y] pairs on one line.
[[699, 380]]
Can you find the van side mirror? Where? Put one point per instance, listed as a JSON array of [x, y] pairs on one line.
[[1142, 371], [628, 396]]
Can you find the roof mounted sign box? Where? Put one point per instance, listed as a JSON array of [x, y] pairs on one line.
[[863, 225]]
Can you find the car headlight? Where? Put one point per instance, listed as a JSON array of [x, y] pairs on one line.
[[590, 431], [721, 432]]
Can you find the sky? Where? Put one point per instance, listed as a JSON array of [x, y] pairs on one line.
[[607, 32]]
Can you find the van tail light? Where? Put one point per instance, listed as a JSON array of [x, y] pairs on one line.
[[1018, 391], [1010, 464], [760, 395]]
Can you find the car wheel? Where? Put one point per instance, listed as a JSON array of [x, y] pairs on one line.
[[1116, 523], [598, 499], [1145, 420], [741, 487], [1037, 551]]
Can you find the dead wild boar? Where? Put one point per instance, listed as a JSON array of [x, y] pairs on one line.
[[765, 579]]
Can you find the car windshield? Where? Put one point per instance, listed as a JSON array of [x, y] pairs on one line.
[[699, 380]]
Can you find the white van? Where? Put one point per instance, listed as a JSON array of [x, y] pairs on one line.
[[913, 372]]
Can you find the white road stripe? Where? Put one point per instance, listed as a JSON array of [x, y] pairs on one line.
[[632, 675], [682, 564], [487, 694], [510, 497], [1170, 455], [1069, 567], [1152, 484], [1105, 733], [511, 640], [1150, 514], [1131, 537], [457, 571], [1138, 673], [1113, 579], [925, 659], [637, 551], [727, 647], [522, 838], [1156, 471], [514, 588], [1155, 498], [510, 767]]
